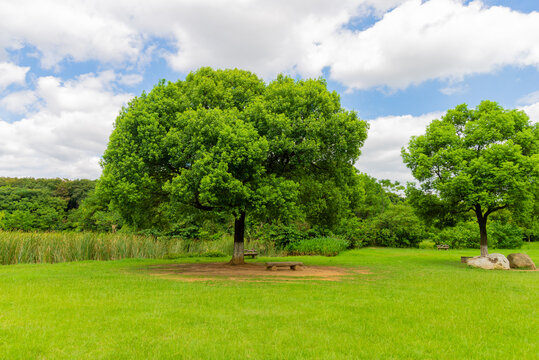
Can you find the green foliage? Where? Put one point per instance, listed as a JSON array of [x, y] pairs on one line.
[[41, 204], [326, 246], [398, 226], [353, 230], [96, 214], [393, 190], [480, 160], [282, 235], [433, 211], [463, 235], [505, 236], [224, 141], [375, 199], [427, 244], [328, 199]]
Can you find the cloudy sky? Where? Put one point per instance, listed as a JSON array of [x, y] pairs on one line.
[[67, 67]]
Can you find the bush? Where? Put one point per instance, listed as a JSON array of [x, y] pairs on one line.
[[464, 235], [505, 236], [398, 226], [326, 246], [427, 244], [352, 229], [283, 235]]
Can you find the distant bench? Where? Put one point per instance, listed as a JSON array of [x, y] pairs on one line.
[[250, 252], [294, 265], [442, 247]]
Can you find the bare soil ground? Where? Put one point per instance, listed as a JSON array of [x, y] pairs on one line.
[[250, 272]]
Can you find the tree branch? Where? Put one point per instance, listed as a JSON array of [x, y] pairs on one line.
[[496, 208], [198, 205]]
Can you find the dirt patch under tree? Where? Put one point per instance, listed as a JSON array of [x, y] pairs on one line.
[[250, 272]]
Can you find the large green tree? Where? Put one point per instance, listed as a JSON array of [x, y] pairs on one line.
[[224, 141], [479, 160]]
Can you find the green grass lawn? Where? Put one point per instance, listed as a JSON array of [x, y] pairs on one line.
[[414, 304]]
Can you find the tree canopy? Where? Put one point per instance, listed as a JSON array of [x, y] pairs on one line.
[[224, 141], [480, 160]]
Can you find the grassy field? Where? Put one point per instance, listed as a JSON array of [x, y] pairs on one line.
[[415, 304]]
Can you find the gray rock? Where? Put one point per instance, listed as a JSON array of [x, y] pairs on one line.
[[518, 260], [489, 262]]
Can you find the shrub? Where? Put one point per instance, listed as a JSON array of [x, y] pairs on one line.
[[326, 246], [283, 235], [185, 231], [352, 229], [464, 235], [427, 244], [505, 236], [398, 226]]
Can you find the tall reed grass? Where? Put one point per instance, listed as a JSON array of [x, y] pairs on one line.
[[53, 247], [20, 247]]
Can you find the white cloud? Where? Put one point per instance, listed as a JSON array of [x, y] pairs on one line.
[[264, 36], [12, 74], [380, 156], [78, 30], [529, 99], [451, 90], [414, 42], [533, 111], [68, 134], [530, 105], [130, 79], [18, 102], [443, 39]]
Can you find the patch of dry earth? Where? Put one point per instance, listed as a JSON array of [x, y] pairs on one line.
[[249, 272]]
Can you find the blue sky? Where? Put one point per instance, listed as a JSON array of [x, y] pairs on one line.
[[66, 69]]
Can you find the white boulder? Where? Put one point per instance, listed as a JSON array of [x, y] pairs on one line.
[[489, 262]]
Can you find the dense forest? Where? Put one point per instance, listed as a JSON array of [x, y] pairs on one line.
[[42, 204]]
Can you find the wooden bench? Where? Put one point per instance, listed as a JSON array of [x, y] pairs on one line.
[[250, 252], [294, 265], [442, 247]]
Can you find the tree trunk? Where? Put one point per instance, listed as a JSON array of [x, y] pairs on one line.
[[482, 221], [483, 232], [239, 231]]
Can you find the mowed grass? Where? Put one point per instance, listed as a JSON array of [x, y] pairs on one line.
[[415, 304]]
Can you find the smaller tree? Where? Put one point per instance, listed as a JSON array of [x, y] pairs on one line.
[[480, 160]]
